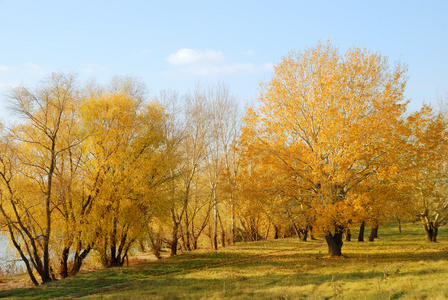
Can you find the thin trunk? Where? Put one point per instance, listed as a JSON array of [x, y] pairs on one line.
[[348, 235], [361, 231], [173, 244], [399, 224], [183, 243], [297, 231], [232, 220], [310, 230], [267, 231], [187, 233], [223, 232], [215, 221], [275, 232], [195, 242], [46, 237], [22, 255], [373, 233]]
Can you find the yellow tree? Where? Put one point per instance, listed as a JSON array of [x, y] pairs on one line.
[[124, 169], [424, 169], [326, 122], [31, 165]]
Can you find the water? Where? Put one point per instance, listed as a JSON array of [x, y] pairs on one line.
[[10, 263]]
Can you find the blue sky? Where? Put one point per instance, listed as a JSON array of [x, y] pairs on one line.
[[175, 44]]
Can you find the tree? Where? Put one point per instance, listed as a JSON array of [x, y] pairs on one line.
[[326, 123], [125, 169], [189, 136], [223, 113], [32, 168], [425, 169]]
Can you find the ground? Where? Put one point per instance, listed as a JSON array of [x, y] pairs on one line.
[[395, 266]]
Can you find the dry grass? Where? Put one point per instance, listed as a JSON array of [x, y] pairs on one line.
[[393, 267]]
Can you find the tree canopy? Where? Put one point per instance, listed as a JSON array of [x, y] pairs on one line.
[[326, 123]]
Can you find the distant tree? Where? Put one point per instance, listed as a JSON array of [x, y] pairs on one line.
[[425, 170]]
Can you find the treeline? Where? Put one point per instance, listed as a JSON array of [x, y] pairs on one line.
[[100, 171]]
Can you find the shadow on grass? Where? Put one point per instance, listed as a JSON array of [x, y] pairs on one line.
[[118, 278], [269, 263]]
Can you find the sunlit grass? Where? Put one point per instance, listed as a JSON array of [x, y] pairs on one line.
[[395, 266]]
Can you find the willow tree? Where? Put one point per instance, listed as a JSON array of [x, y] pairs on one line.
[[124, 168], [326, 122], [32, 171]]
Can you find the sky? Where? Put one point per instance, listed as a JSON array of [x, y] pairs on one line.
[[177, 44]]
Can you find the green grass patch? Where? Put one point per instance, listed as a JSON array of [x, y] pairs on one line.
[[395, 266]]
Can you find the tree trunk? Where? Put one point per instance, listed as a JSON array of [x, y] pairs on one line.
[[173, 244], [361, 232], [348, 235], [187, 239], [232, 220], [215, 221], [275, 232], [64, 262], [304, 235], [266, 236], [373, 233], [223, 232], [310, 230], [431, 232], [195, 242], [21, 253], [77, 263], [399, 224], [334, 242]]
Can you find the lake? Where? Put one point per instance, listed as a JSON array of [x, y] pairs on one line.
[[10, 263]]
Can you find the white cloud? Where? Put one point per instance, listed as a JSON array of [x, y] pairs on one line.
[[190, 56], [189, 62]]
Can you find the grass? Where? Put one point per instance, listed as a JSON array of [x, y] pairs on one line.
[[396, 266]]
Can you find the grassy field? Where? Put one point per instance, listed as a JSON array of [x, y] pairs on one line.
[[395, 266]]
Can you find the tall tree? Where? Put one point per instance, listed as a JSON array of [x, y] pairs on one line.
[[223, 114], [124, 168], [326, 122], [190, 148], [32, 165]]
